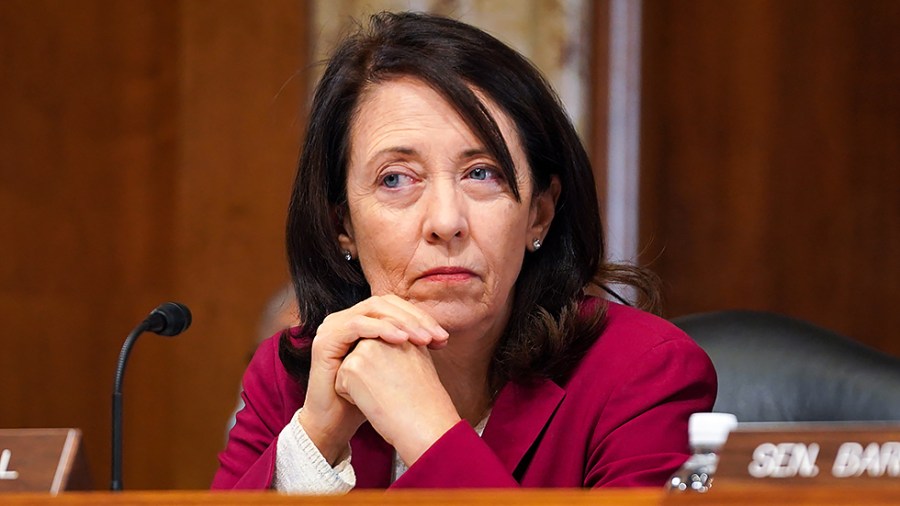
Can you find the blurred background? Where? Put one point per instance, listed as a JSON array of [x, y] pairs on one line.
[[748, 151]]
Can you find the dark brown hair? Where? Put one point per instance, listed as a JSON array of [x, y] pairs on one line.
[[548, 331]]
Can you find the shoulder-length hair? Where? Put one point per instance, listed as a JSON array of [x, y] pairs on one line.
[[548, 330]]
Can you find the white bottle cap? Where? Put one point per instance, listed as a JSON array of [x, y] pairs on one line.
[[710, 429]]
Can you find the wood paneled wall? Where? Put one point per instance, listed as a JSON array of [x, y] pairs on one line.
[[771, 159], [148, 147], [147, 154], [598, 100]]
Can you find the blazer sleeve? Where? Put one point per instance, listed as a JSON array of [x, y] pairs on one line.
[[248, 461], [458, 459], [642, 436]]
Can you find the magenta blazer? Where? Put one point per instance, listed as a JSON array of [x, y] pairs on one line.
[[619, 420]]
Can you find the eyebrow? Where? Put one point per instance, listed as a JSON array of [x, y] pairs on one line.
[[469, 153], [406, 150]]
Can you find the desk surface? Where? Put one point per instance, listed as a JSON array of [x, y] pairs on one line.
[[876, 494], [625, 497]]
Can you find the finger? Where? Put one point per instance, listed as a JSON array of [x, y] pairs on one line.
[[341, 330], [341, 388], [437, 345], [342, 383], [422, 326], [371, 327], [404, 316], [424, 318]]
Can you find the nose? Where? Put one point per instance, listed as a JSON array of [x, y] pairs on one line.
[[446, 215]]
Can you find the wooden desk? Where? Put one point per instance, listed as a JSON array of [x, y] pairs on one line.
[[871, 495], [750, 495], [625, 497]]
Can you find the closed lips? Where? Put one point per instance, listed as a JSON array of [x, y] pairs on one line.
[[448, 273]]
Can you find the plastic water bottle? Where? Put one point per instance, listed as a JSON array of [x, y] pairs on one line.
[[707, 433]]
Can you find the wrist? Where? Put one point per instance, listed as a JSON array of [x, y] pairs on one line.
[[331, 441], [418, 439]]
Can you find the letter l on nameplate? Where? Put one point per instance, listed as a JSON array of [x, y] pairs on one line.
[[41, 460]]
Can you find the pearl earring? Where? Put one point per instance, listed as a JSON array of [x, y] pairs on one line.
[[347, 255], [536, 244]]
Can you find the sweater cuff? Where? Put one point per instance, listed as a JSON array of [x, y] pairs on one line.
[[300, 468]]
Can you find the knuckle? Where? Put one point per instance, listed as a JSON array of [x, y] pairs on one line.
[[369, 304], [351, 364], [355, 324]]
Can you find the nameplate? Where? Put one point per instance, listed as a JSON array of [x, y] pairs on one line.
[[41, 460], [814, 453]]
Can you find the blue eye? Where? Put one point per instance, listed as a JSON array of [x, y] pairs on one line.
[[482, 173], [396, 180]]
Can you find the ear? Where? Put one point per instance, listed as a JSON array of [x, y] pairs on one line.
[[543, 209], [346, 237]]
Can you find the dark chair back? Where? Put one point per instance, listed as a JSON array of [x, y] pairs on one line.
[[773, 368]]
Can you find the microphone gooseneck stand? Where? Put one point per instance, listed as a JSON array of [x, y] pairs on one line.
[[169, 319], [116, 480]]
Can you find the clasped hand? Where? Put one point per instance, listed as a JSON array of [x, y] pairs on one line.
[[371, 362]]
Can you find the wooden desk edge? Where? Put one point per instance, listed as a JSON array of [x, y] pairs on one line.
[[872, 494], [530, 497]]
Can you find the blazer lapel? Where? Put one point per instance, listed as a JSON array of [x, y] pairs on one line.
[[519, 416], [372, 459]]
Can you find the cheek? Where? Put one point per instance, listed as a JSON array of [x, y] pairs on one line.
[[504, 242], [385, 250], [512, 231]]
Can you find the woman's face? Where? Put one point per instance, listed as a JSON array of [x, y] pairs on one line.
[[431, 217]]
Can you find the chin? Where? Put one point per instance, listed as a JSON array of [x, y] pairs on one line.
[[456, 316]]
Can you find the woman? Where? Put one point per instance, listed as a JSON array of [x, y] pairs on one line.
[[442, 232]]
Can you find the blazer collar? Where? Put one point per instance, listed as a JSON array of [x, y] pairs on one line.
[[518, 417]]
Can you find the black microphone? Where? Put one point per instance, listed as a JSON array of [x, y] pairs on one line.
[[169, 319]]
